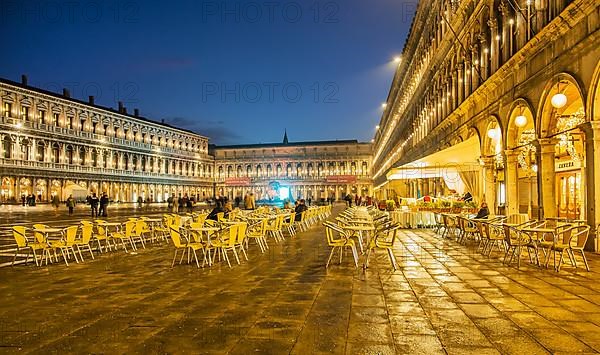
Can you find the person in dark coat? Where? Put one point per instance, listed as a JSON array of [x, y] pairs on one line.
[[301, 207], [103, 205], [94, 204], [218, 209], [484, 212]]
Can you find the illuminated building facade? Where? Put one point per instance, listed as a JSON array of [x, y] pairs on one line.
[[316, 170], [55, 145], [517, 83]]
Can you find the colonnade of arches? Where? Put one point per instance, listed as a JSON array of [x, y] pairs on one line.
[[293, 169], [12, 188]]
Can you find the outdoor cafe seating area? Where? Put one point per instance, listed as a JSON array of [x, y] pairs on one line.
[[192, 235], [543, 242], [363, 230]]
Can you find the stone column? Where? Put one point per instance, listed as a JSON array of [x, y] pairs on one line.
[[592, 197], [468, 80], [476, 72], [489, 182], [506, 35], [546, 177], [460, 84], [511, 180], [484, 54], [494, 46]]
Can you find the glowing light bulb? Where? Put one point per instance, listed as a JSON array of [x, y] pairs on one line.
[[559, 100], [520, 121]]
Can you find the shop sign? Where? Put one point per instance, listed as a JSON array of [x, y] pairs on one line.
[[239, 181], [567, 165], [341, 179]]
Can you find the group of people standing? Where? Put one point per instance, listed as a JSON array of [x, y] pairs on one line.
[[94, 202], [181, 203]]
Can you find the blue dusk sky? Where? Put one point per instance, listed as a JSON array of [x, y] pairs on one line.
[[238, 72]]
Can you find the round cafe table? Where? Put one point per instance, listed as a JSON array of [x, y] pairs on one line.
[[358, 232], [209, 232]]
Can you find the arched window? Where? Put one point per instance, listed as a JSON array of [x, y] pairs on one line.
[[7, 147], [69, 154], [81, 156], [94, 158], [25, 149], [105, 159], [41, 151], [115, 160], [143, 163], [126, 161], [134, 162], [55, 153]]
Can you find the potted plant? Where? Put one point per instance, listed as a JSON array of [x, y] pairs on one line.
[[390, 205]]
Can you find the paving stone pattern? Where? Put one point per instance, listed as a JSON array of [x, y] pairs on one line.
[[446, 298]]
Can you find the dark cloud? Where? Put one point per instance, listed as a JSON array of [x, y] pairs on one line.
[[215, 130]]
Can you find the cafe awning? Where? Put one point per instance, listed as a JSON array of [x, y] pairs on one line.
[[463, 156], [461, 159]]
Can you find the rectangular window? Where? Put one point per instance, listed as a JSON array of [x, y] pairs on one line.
[[502, 194], [94, 125], [82, 127], [25, 113], [105, 129], [56, 119], [41, 117], [70, 121], [7, 109]]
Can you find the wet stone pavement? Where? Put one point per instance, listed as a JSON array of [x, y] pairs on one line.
[[446, 298]]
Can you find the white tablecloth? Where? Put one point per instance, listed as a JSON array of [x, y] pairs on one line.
[[416, 219]]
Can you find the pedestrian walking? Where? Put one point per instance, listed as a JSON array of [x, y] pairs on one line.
[[175, 204], [55, 201], [189, 204], [70, 204], [180, 203]]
